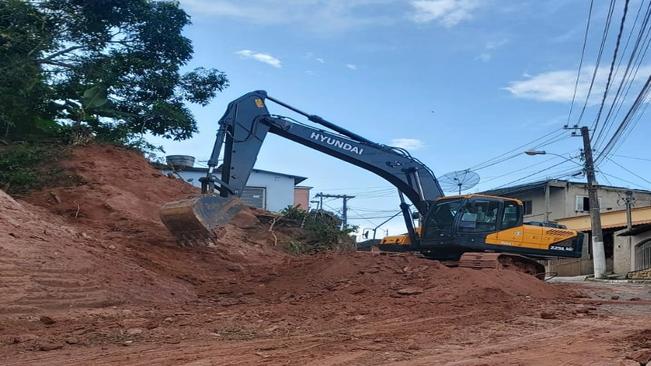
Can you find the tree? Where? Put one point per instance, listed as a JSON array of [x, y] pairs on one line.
[[24, 35], [111, 65]]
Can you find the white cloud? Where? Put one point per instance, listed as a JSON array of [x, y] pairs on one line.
[[320, 60], [333, 16], [484, 57], [447, 12], [261, 57], [493, 45], [558, 86], [408, 143], [351, 66], [316, 15], [489, 49]]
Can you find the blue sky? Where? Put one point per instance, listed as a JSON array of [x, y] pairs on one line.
[[456, 82]]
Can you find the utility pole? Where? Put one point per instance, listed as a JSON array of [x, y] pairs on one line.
[[629, 226], [598, 253], [345, 198]]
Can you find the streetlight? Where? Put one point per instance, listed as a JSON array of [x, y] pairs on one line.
[[547, 187], [543, 152]]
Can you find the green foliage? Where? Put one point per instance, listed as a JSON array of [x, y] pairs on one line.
[[24, 94], [321, 231], [113, 66], [27, 167]]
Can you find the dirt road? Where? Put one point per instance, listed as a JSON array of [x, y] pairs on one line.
[[594, 330]]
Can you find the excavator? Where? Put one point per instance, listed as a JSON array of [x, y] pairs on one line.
[[477, 231]]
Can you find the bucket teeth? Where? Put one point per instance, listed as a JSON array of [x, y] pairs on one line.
[[192, 221]]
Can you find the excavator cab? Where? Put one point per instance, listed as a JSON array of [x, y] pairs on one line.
[[482, 223]]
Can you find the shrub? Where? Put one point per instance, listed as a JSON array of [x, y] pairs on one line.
[[321, 231]]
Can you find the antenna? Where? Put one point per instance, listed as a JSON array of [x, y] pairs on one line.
[[459, 180]]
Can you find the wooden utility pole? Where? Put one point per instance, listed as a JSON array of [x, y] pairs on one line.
[[598, 252]]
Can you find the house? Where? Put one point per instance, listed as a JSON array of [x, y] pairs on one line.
[[567, 203], [630, 248], [265, 189]]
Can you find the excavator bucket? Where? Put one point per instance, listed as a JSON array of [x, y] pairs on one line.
[[193, 220]]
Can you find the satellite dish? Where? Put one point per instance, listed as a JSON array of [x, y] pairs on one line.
[[459, 180]]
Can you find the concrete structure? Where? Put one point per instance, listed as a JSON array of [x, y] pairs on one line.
[[631, 249], [265, 189], [567, 203], [554, 199]]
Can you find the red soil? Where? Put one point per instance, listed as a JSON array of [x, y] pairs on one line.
[[87, 254]]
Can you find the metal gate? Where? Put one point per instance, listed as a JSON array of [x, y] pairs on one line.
[[255, 196], [643, 255]]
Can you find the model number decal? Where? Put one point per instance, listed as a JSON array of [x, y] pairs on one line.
[[565, 249]]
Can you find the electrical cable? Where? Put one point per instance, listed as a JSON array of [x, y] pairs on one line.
[[578, 73], [612, 66], [626, 78], [531, 175], [626, 169], [556, 135], [598, 61]]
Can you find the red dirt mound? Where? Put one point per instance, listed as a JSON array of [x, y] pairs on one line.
[[103, 240]]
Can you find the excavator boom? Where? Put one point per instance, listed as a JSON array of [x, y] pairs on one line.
[[243, 129]]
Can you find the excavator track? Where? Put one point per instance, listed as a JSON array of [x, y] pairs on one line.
[[506, 261]]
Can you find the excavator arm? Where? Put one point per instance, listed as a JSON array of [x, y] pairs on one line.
[[247, 121], [242, 131]]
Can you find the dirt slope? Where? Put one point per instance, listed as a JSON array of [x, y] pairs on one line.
[[110, 223]]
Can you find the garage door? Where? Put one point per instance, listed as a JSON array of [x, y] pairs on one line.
[[254, 196], [643, 255]]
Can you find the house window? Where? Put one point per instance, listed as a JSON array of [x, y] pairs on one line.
[[528, 207], [583, 203]]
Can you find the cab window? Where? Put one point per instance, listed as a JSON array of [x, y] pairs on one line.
[[442, 214], [479, 216], [511, 216]]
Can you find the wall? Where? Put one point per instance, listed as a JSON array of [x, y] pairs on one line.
[[624, 255], [302, 197], [537, 198], [610, 199], [279, 188]]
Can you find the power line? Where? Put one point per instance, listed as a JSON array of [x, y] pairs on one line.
[[548, 138], [631, 157], [628, 78], [629, 171], [626, 120], [578, 73], [612, 66], [623, 180], [601, 50], [532, 174]]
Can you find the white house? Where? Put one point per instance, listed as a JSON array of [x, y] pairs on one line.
[[265, 189]]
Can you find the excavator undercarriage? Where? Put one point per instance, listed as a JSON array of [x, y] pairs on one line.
[[508, 261]]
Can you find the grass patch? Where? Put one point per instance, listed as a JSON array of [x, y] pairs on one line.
[[27, 167]]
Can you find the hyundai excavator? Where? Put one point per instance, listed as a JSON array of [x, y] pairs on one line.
[[477, 231]]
